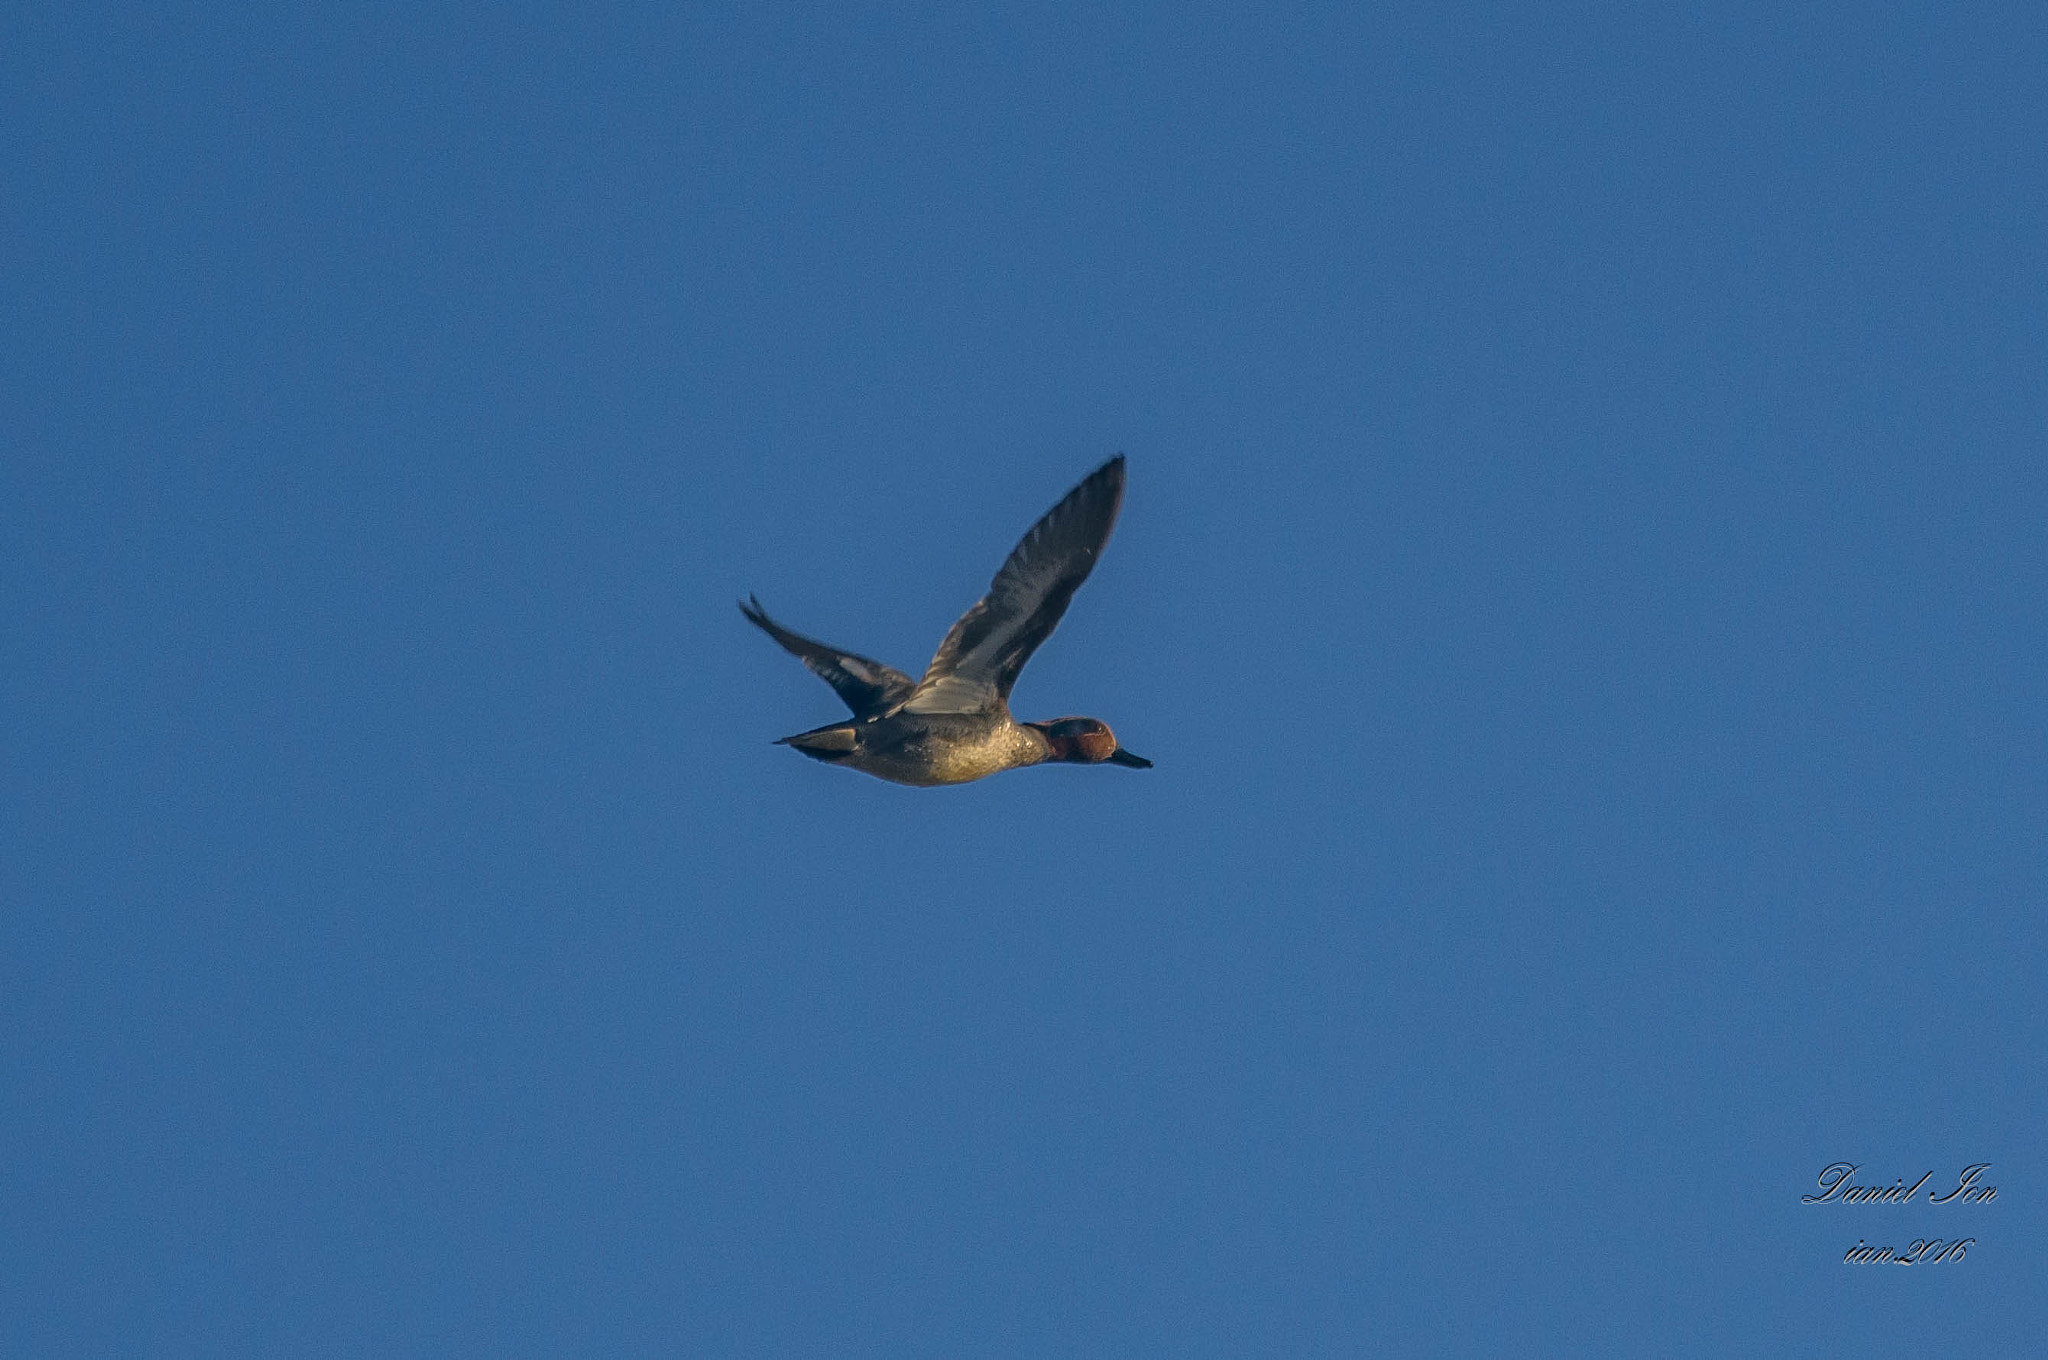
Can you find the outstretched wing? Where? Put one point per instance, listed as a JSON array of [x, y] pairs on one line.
[[979, 660], [868, 687]]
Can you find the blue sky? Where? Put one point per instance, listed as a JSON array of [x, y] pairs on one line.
[[1581, 583]]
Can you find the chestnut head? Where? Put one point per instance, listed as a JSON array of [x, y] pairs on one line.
[[1087, 741]]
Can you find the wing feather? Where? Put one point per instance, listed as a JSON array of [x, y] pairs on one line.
[[867, 686], [984, 652]]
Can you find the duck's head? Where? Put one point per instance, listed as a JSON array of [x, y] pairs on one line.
[[1086, 741]]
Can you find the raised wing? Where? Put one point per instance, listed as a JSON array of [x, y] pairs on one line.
[[868, 687], [979, 660]]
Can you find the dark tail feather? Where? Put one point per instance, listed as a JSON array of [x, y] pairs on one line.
[[831, 744]]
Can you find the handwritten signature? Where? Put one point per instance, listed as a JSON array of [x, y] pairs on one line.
[[1837, 1185], [1923, 1251]]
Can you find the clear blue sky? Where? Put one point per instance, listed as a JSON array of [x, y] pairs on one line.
[[1582, 584]]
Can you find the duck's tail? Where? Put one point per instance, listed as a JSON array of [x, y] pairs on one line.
[[831, 743]]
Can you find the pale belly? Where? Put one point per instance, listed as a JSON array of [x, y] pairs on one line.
[[927, 759]]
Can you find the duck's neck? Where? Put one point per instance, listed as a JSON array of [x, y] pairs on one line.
[[1044, 746]]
